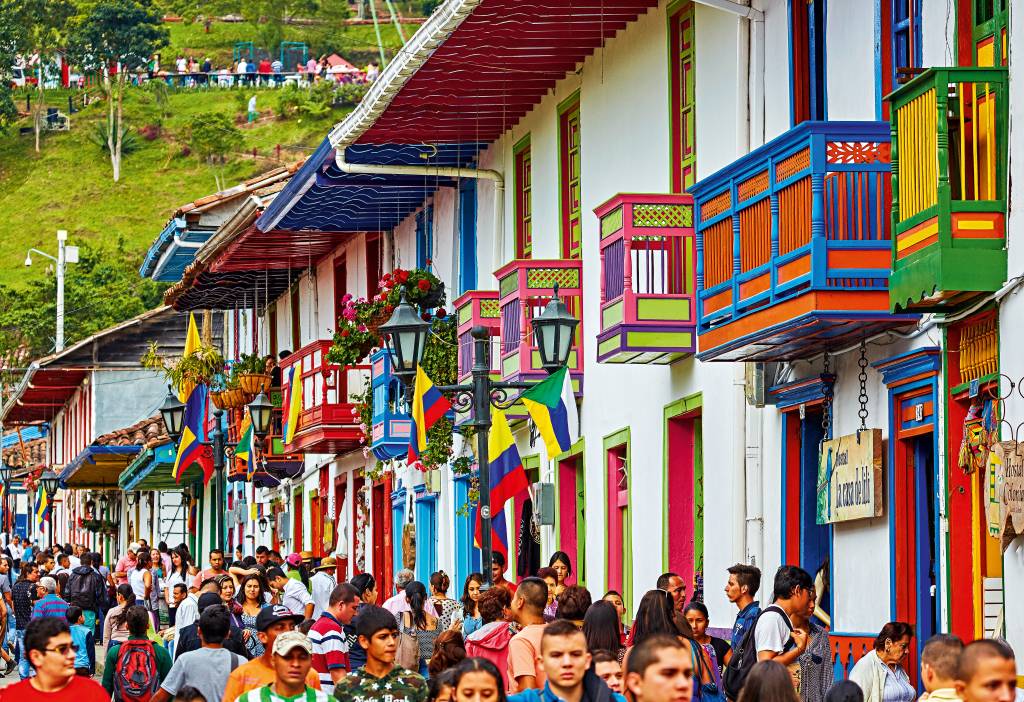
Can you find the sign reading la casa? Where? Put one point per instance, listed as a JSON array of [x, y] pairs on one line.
[[850, 477]]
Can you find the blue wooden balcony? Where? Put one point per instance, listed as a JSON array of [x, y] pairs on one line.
[[794, 245], [392, 425]]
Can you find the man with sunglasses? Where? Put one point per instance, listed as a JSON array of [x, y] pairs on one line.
[[51, 652]]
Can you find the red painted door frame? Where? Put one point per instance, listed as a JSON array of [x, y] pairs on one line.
[[682, 495], [618, 501], [340, 493], [568, 522]]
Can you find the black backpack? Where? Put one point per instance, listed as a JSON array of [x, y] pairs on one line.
[[80, 590], [744, 656]]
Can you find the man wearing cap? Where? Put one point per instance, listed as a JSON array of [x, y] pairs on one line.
[[322, 584], [291, 657], [293, 593], [189, 639], [271, 623], [126, 564], [330, 648], [48, 604]]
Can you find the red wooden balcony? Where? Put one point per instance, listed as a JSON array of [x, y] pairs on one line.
[[648, 281], [793, 245], [525, 286], [326, 423], [472, 309]]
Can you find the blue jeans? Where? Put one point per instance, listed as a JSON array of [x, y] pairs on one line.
[[24, 668]]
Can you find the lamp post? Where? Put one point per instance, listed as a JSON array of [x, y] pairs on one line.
[[405, 335], [50, 483], [65, 254], [5, 478], [173, 413]]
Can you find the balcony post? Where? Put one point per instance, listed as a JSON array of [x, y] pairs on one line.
[[773, 272], [737, 252], [819, 251], [894, 160], [482, 423], [627, 261], [944, 193]]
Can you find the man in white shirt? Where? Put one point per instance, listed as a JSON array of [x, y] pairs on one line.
[[774, 635], [188, 610], [396, 604], [322, 584], [294, 594]]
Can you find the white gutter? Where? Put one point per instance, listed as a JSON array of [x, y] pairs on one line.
[[736, 8]]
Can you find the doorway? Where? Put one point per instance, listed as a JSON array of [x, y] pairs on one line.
[[684, 481], [571, 515]]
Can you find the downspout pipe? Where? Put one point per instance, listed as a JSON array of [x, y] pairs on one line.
[[492, 175]]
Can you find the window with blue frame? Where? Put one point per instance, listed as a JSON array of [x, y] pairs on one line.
[[807, 60], [467, 558], [467, 236], [425, 236], [906, 39]]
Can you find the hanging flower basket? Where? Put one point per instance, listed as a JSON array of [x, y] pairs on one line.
[[230, 399], [253, 383]]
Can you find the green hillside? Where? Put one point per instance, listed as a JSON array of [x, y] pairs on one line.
[[69, 186]]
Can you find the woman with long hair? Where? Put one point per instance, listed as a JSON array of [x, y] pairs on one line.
[[562, 566], [654, 616], [477, 680], [419, 623], [615, 598], [471, 620], [143, 582], [449, 650], [768, 681], [696, 614], [448, 610], [251, 598], [550, 578], [602, 629], [573, 604], [115, 625], [178, 574]]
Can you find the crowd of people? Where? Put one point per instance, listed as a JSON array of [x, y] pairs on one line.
[[263, 628], [194, 72]]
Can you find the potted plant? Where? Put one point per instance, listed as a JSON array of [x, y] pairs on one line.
[[250, 372], [201, 366]]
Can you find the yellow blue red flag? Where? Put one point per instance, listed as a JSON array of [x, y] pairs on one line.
[[292, 402], [508, 479], [428, 406], [42, 507], [552, 407], [246, 450], [190, 447], [192, 342]]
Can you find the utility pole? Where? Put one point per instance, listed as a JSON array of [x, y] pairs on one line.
[[65, 254]]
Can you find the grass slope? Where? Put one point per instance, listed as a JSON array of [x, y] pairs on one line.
[[69, 186]]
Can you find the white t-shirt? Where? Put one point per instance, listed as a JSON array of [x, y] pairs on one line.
[[257, 696], [295, 596], [772, 631]]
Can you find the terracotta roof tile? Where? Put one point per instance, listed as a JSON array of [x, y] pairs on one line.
[[149, 432], [33, 455]]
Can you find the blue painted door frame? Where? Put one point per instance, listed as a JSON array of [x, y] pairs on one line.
[[467, 236]]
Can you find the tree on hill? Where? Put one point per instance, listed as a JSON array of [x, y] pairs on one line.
[[118, 36], [8, 30], [38, 28], [102, 289], [212, 135]]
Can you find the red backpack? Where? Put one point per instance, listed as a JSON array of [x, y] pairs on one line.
[[135, 674]]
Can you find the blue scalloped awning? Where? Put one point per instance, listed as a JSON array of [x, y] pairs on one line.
[[321, 197], [97, 466], [172, 252]]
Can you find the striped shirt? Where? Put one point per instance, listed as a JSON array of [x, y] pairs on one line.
[[50, 606], [330, 652]]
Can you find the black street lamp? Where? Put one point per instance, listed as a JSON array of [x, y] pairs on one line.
[[50, 482], [5, 478], [173, 413], [405, 335]]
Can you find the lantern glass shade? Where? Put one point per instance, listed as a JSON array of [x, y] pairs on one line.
[[50, 482], [261, 411], [173, 413], [405, 335], [5, 472], [263, 525], [553, 331]]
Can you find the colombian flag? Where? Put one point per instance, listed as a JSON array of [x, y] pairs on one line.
[[190, 448], [192, 342], [42, 507], [292, 403], [428, 406], [507, 478], [552, 407], [246, 451]]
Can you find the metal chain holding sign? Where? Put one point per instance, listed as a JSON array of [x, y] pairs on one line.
[[826, 402], [862, 378]]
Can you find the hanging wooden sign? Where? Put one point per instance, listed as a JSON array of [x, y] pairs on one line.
[[850, 478], [1006, 485]]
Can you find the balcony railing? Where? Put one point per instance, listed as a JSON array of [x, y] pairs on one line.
[[525, 286], [949, 179], [793, 246], [477, 308], [648, 281], [392, 425], [326, 423]]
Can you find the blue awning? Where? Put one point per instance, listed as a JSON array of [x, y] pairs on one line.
[[321, 197], [173, 250], [97, 466], [28, 433]]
